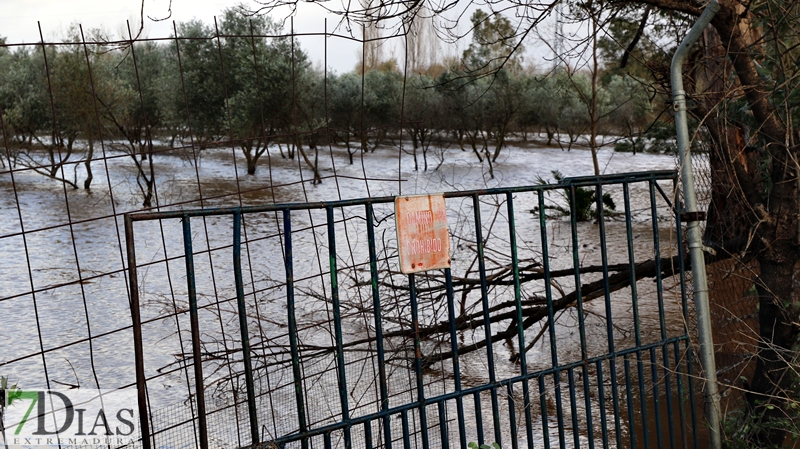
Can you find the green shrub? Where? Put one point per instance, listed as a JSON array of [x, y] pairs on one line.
[[474, 445], [626, 146], [585, 200]]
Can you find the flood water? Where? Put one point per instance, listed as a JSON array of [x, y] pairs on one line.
[[65, 311]]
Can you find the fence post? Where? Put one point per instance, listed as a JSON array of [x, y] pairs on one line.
[[699, 282]]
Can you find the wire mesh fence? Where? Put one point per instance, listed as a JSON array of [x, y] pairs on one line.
[[734, 300]]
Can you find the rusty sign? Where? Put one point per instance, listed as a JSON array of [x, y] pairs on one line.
[[422, 234]]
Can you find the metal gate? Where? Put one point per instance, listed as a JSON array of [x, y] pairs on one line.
[[563, 322]]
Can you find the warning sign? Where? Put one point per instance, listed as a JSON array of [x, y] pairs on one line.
[[422, 234]]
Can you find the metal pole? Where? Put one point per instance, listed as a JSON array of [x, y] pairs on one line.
[[240, 303], [194, 320], [138, 346], [693, 227]]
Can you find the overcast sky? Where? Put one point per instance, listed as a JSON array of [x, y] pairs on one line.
[[18, 22]]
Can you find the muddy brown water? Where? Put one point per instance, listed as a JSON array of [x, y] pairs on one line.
[[56, 307]]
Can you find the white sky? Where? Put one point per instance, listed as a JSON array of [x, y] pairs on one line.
[[18, 23]]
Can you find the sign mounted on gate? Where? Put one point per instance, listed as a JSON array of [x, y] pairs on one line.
[[423, 238]]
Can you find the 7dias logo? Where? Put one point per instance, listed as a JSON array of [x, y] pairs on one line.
[[69, 417]]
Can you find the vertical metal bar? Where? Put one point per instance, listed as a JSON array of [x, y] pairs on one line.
[[523, 362], [512, 415], [551, 321], [138, 345], [406, 436], [576, 437], [632, 263], [198, 363], [423, 415], [368, 434], [288, 262], [588, 400], [376, 310], [248, 367], [668, 395], [695, 239], [451, 316], [690, 380], [688, 349], [601, 395], [635, 305], [679, 386], [443, 426], [337, 324], [657, 256], [543, 409], [576, 264], [487, 325], [661, 316], [609, 319], [657, 413], [629, 401], [479, 418]]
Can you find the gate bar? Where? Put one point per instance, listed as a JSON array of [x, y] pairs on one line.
[[662, 327], [138, 346], [579, 181], [337, 325], [248, 366], [487, 323], [687, 344], [601, 225], [523, 362], [376, 310], [699, 282], [551, 320], [198, 365], [581, 324], [451, 317], [423, 415], [292, 320]]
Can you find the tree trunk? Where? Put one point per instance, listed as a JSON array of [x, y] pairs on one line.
[[593, 113], [88, 164], [317, 178], [770, 220], [415, 145], [501, 141], [247, 150], [425, 147], [775, 377], [349, 153]]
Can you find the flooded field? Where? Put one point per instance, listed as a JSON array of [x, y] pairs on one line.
[[65, 302]]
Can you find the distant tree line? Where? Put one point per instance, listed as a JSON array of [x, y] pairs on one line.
[[248, 83]]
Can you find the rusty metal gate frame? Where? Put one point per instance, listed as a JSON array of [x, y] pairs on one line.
[[675, 350]]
